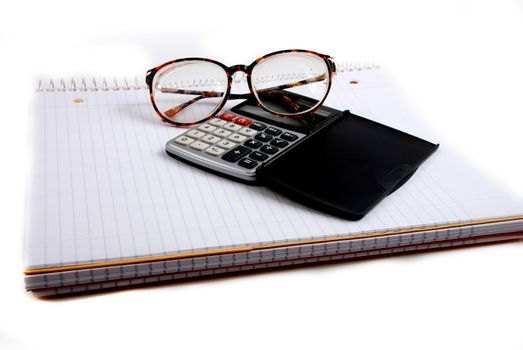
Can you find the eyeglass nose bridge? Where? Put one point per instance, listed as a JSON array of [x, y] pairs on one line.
[[238, 72], [238, 68]]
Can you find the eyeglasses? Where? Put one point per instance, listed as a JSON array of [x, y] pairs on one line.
[[287, 83]]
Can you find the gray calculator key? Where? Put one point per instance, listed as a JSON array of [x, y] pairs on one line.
[[217, 122], [200, 146], [184, 140], [214, 151], [226, 144], [232, 127], [221, 132], [210, 139], [237, 138], [247, 132], [195, 134], [206, 128]]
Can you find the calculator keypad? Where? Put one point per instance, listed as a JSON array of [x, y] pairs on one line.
[[236, 140]]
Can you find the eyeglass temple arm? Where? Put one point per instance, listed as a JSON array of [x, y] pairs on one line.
[[219, 94], [208, 94]]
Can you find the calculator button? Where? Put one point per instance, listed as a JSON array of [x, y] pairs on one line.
[[263, 137], [237, 138], [215, 151], [242, 121], [247, 132], [210, 139], [195, 134], [235, 154], [247, 163], [184, 140], [269, 149], [278, 143], [253, 143], [232, 127], [222, 132], [227, 116], [288, 136], [273, 131], [226, 144], [257, 126], [200, 146], [207, 128], [258, 156], [217, 122]]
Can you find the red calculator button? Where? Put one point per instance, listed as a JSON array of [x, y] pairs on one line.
[[227, 116], [242, 121]]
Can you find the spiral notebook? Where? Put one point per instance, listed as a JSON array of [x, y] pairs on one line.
[[108, 208]]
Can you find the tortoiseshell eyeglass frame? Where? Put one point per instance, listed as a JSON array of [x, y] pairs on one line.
[[230, 71]]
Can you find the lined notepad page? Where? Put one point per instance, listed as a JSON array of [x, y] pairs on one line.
[[103, 187]]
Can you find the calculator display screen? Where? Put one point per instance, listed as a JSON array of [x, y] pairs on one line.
[[303, 124]]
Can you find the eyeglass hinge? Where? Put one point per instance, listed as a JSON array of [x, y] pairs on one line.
[[332, 64], [148, 78]]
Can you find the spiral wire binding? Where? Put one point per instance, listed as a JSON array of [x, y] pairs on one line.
[[342, 67], [355, 66]]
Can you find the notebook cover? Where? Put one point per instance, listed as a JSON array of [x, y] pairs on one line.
[[348, 167]]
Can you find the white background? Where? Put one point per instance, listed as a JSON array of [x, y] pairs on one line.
[[460, 63]]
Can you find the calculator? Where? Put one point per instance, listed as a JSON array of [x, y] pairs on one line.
[[239, 142]]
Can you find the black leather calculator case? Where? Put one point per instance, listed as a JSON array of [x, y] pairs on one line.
[[348, 166]]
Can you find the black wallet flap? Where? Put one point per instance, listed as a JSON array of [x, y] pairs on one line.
[[348, 166]]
